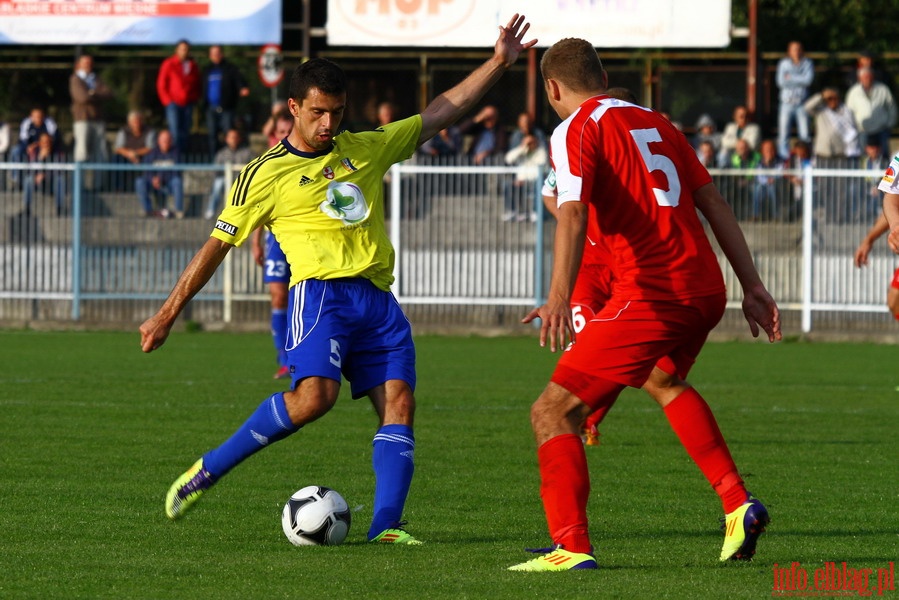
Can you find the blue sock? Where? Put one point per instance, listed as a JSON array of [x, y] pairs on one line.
[[268, 424], [279, 333], [392, 459]]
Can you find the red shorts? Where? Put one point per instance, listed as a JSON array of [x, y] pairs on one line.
[[623, 343], [591, 292], [894, 283]]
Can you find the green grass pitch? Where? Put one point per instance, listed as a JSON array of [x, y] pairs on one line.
[[94, 431]]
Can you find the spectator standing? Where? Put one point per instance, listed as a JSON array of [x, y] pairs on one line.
[[800, 159], [161, 182], [178, 87], [530, 156], [489, 137], [835, 134], [234, 154], [795, 73], [5, 138], [89, 95], [874, 109], [741, 128], [224, 85], [45, 180]]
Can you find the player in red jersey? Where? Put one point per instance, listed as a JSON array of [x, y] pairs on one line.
[[627, 179]]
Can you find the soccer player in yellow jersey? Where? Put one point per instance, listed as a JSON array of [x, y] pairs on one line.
[[320, 193]]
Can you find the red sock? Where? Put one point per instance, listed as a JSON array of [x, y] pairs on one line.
[[564, 488], [693, 422], [597, 416]]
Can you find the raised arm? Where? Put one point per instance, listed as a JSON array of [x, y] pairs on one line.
[[155, 330], [449, 106], [759, 307]]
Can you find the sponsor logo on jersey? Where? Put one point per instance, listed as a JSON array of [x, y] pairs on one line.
[[226, 227], [349, 166], [305, 180], [890, 174], [328, 172]]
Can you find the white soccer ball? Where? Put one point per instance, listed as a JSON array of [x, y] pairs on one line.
[[316, 516]]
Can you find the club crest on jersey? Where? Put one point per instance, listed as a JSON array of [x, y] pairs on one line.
[[328, 172], [305, 180], [349, 166], [890, 174]]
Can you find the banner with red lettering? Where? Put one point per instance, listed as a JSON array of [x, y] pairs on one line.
[[140, 21]]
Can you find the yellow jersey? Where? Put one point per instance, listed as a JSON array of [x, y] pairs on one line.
[[326, 209]]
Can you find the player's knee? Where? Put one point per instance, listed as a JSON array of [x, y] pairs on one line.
[[310, 400]]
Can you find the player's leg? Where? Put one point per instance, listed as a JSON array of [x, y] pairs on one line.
[[277, 276], [692, 420], [316, 347], [556, 418], [893, 295], [382, 366]]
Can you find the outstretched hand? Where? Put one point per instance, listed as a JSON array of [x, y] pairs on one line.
[[555, 324], [509, 44], [760, 309]]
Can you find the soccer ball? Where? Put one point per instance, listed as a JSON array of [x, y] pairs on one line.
[[316, 516]]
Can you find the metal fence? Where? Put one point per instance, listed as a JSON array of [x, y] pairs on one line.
[[472, 248]]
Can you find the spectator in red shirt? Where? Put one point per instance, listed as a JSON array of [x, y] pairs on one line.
[[178, 87]]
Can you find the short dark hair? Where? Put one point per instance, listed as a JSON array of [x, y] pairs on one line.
[[319, 73]]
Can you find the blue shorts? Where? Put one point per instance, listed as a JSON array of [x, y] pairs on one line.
[[350, 327], [276, 268]]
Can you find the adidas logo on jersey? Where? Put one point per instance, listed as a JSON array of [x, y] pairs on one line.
[[305, 180]]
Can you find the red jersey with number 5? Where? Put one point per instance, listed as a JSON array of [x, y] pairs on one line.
[[639, 173]]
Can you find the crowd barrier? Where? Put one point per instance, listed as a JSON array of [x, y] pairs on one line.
[[472, 248]]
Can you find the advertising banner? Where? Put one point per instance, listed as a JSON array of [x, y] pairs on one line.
[[473, 23], [144, 22]]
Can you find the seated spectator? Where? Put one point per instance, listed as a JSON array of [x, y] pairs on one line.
[[707, 155], [741, 128], [870, 198], [45, 180], [523, 127], [30, 130], [836, 136], [743, 157], [161, 183], [706, 131], [279, 110], [800, 159], [489, 136], [765, 204], [133, 141], [234, 154], [445, 145], [520, 194]]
